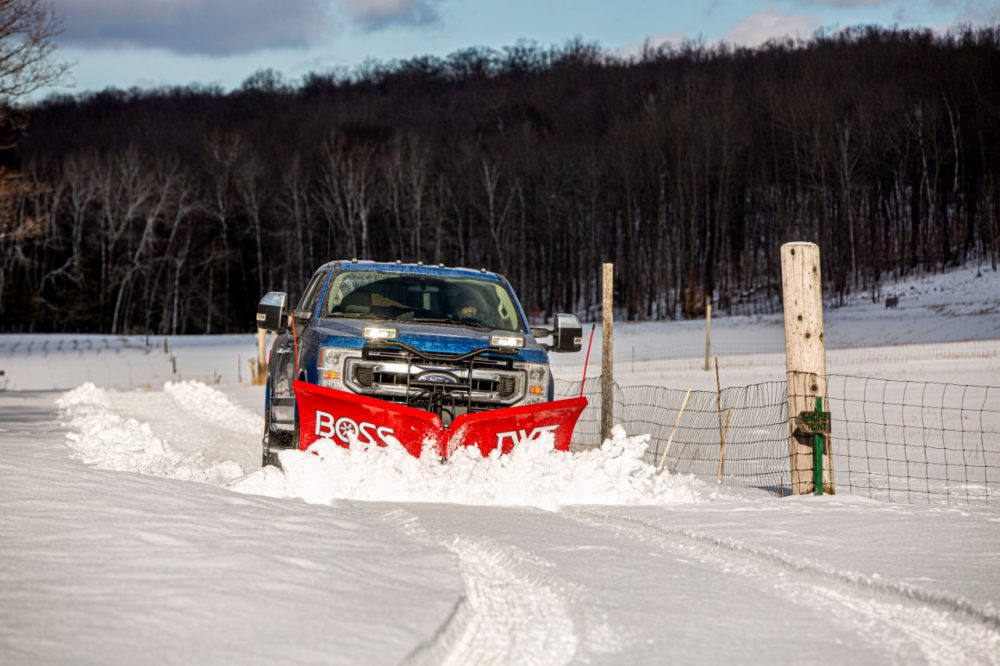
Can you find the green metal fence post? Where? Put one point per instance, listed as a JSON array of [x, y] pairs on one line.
[[818, 455]]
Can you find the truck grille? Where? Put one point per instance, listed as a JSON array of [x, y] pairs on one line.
[[479, 383]]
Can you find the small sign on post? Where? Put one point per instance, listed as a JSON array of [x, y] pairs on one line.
[[812, 429]]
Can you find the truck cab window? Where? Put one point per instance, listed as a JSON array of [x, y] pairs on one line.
[[311, 295]]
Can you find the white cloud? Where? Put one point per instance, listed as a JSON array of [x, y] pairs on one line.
[[652, 42], [847, 3], [973, 12], [374, 15], [208, 27], [770, 24]]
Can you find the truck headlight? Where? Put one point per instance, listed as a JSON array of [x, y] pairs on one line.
[[378, 333], [507, 341], [537, 386], [331, 365]]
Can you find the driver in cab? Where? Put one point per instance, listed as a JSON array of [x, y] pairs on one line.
[[469, 308]]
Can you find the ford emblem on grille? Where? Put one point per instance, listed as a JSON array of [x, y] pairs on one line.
[[436, 378]]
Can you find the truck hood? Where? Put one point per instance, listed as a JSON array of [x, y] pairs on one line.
[[435, 338]]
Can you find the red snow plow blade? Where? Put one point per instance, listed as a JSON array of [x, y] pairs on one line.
[[343, 416]]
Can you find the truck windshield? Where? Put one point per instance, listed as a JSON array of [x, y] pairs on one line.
[[409, 297]]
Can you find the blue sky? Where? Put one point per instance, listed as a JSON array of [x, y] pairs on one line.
[[151, 43]]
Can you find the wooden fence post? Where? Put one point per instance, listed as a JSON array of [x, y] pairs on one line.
[[673, 431], [805, 355], [708, 333], [607, 351], [260, 370]]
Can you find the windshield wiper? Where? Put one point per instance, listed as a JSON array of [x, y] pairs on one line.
[[451, 321], [358, 315], [473, 324]]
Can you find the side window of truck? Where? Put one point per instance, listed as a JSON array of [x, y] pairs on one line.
[[308, 302]]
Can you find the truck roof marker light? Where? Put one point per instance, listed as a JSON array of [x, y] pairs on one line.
[[507, 341], [378, 333]]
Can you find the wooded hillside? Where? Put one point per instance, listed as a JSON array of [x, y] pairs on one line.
[[172, 211]]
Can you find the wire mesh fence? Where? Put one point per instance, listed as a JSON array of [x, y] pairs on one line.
[[912, 441], [744, 354], [892, 440], [753, 446]]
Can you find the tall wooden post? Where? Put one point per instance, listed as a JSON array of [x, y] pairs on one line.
[[607, 351], [805, 355]]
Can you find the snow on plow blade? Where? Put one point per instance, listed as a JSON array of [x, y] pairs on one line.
[[342, 416]]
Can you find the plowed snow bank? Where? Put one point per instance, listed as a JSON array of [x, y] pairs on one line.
[[532, 475], [105, 440]]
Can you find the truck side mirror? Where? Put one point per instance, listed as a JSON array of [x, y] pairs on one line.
[[567, 334], [272, 314]]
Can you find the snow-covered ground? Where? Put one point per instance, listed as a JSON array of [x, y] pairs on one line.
[[136, 524], [946, 328]]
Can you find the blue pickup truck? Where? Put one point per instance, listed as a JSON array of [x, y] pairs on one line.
[[449, 341]]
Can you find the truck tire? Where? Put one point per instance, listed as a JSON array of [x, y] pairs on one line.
[[273, 442], [270, 458]]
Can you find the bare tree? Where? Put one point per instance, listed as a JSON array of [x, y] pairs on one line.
[[496, 212], [346, 193], [248, 180], [221, 153], [292, 201], [407, 192], [26, 31]]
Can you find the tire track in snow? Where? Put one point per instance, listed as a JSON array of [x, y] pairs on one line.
[[198, 419], [915, 624], [214, 406], [508, 614]]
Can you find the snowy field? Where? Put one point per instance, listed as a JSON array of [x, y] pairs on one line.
[[137, 524]]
